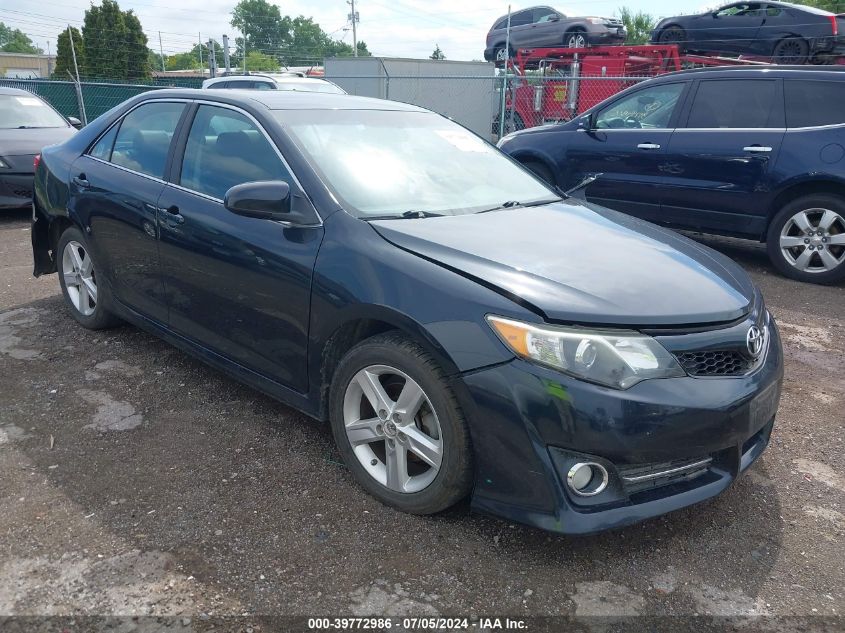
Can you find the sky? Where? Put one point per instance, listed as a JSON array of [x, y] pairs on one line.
[[391, 28]]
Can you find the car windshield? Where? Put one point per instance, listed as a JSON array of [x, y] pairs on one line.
[[26, 111], [310, 85], [386, 163]]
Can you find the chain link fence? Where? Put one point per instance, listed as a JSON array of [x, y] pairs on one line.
[[489, 106], [89, 99]]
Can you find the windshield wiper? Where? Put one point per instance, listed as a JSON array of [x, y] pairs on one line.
[[510, 204], [405, 215]]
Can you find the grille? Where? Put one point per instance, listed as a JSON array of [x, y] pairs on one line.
[[639, 477], [715, 363]]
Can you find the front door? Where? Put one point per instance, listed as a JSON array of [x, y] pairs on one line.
[[115, 189], [721, 158], [627, 147], [238, 286], [732, 28]]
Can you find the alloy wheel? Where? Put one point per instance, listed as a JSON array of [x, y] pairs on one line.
[[790, 52], [79, 278], [501, 55], [577, 40], [813, 240], [393, 428]]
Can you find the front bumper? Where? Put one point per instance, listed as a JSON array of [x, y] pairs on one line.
[[15, 190], [529, 424]]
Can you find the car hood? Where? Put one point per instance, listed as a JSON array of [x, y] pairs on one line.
[[576, 262], [32, 141]]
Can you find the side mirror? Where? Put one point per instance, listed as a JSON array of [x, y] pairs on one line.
[[554, 18], [264, 200], [75, 122], [587, 123]]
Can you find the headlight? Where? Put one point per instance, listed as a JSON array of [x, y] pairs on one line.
[[3, 165], [614, 358], [596, 20]]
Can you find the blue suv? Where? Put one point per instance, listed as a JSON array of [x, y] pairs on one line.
[[749, 152]]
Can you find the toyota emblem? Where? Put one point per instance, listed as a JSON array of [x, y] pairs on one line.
[[755, 340]]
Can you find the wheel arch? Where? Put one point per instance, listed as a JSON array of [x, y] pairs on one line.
[[829, 185], [358, 326]]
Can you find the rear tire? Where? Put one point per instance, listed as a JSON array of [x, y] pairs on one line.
[[795, 246], [436, 470], [89, 302], [791, 50]]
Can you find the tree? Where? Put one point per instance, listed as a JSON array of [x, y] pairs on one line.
[[437, 54], [834, 6], [256, 61], [639, 25], [137, 61], [154, 59], [115, 44], [339, 48], [64, 55], [263, 27], [16, 41]]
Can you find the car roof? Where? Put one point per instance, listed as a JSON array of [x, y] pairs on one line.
[[774, 71], [285, 99], [800, 7]]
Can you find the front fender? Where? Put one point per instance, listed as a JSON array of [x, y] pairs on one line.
[[359, 276]]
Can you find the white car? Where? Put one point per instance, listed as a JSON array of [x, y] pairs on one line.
[[290, 81]]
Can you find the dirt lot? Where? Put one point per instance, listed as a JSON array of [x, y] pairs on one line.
[[134, 481]]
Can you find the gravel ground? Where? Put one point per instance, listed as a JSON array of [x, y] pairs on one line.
[[136, 481]]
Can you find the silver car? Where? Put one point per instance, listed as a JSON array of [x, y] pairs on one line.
[[544, 26], [285, 81]]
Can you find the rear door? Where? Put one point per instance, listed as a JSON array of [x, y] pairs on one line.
[[115, 189], [238, 286], [718, 170], [628, 147]]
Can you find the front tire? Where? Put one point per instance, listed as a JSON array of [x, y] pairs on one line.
[[806, 239], [674, 34], [575, 39], [398, 426], [87, 300]]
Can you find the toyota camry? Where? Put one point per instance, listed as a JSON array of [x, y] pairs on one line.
[[465, 329]]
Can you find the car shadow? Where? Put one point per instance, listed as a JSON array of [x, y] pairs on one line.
[[167, 454], [14, 216]]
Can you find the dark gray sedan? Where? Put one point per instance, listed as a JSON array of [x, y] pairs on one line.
[[544, 26], [27, 124]]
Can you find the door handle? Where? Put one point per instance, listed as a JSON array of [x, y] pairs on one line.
[[756, 149], [171, 214], [81, 182], [648, 146]]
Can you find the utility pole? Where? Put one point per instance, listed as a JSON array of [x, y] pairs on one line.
[[212, 60], [78, 85], [161, 52], [199, 39], [353, 17], [226, 54]]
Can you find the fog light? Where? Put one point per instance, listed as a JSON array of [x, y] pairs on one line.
[[586, 479]]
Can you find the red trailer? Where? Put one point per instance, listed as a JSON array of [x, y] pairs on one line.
[[556, 84]]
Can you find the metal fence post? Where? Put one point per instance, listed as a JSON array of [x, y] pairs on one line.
[[80, 102]]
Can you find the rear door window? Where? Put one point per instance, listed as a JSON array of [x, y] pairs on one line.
[[225, 148], [143, 140], [732, 104], [811, 103]]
